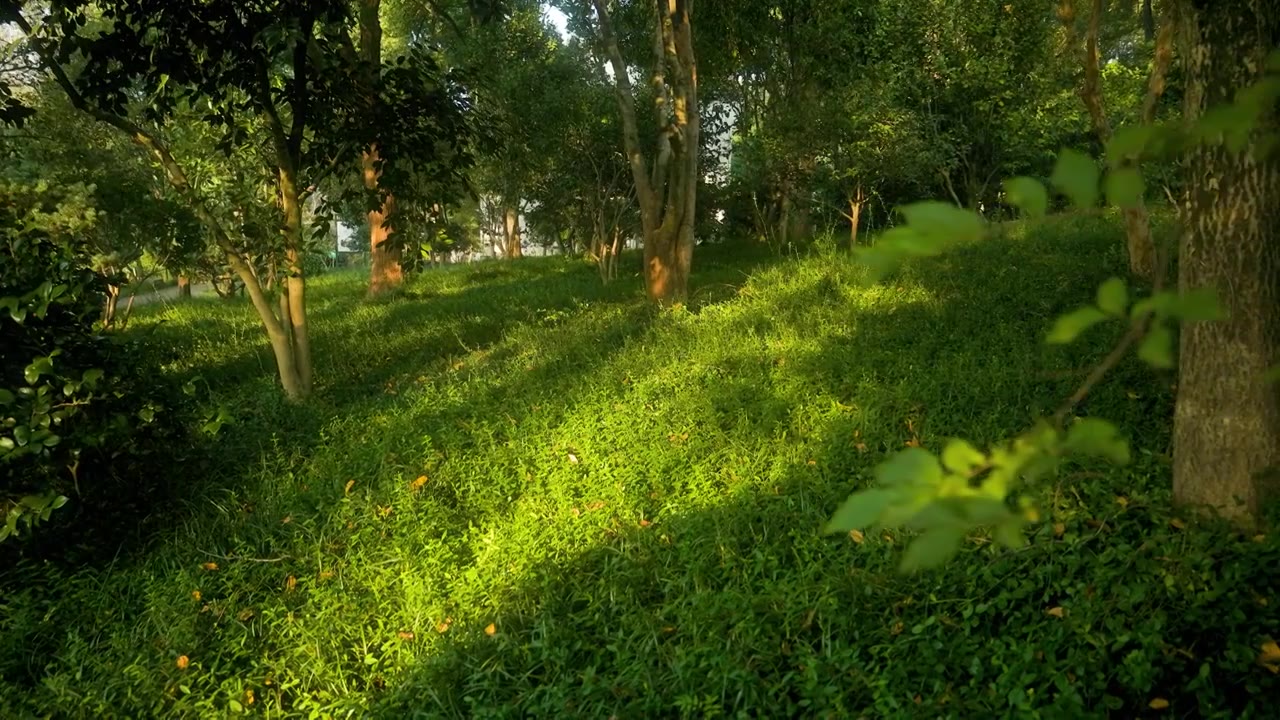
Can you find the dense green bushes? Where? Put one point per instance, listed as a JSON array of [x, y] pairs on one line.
[[76, 411]]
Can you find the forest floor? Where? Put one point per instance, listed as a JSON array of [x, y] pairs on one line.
[[519, 492]]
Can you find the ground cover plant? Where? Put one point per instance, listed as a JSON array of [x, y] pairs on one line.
[[549, 498]]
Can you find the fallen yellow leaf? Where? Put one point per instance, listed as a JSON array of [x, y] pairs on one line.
[[195, 595], [1158, 704], [290, 583], [857, 536], [1179, 524], [1122, 501], [183, 662], [1059, 529], [210, 566], [491, 630], [416, 485], [1056, 612], [248, 697], [444, 625], [405, 635], [350, 484]]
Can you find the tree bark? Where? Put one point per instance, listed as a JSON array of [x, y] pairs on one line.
[[1137, 223], [855, 212], [1227, 417], [514, 244], [666, 185], [184, 287], [385, 255]]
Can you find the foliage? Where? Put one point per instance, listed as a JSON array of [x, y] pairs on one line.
[[72, 411], [949, 495]]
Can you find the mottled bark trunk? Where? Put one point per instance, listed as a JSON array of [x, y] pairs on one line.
[[666, 185], [184, 287], [1227, 418]]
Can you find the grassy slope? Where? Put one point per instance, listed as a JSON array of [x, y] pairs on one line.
[[621, 507]]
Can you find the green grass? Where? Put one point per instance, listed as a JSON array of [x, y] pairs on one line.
[[622, 506]]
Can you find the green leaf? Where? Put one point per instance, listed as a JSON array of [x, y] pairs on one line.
[[37, 368], [962, 458], [913, 466], [1113, 297], [6, 443], [1157, 347], [91, 377], [1068, 327], [1096, 437], [860, 510], [1125, 187], [1009, 533], [22, 434], [147, 414], [1076, 176], [1198, 305], [1129, 142], [6, 397], [932, 548], [1028, 195], [943, 221]]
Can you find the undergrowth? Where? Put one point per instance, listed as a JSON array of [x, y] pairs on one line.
[[521, 493]]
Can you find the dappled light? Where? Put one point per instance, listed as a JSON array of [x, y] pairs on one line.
[[882, 359]]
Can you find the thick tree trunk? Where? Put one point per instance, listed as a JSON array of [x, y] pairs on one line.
[[513, 243], [1227, 418], [184, 287]]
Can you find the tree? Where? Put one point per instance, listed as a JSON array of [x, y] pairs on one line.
[[1227, 418], [278, 77], [666, 180], [1140, 245]]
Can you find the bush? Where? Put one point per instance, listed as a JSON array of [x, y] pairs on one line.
[[71, 403]]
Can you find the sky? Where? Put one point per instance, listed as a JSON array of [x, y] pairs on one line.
[[557, 18]]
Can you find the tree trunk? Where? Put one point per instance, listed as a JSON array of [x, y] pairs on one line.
[[184, 287], [514, 244], [385, 255], [666, 184], [109, 305], [1138, 241], [1227, 417], [385, 270], [855, 212]]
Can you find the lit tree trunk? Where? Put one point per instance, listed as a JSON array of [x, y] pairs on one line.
[[666, 185], [385, 255], [1227, 418], [110, 304], [855, 212], [385, 271], [184, 287], [511, 230]]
